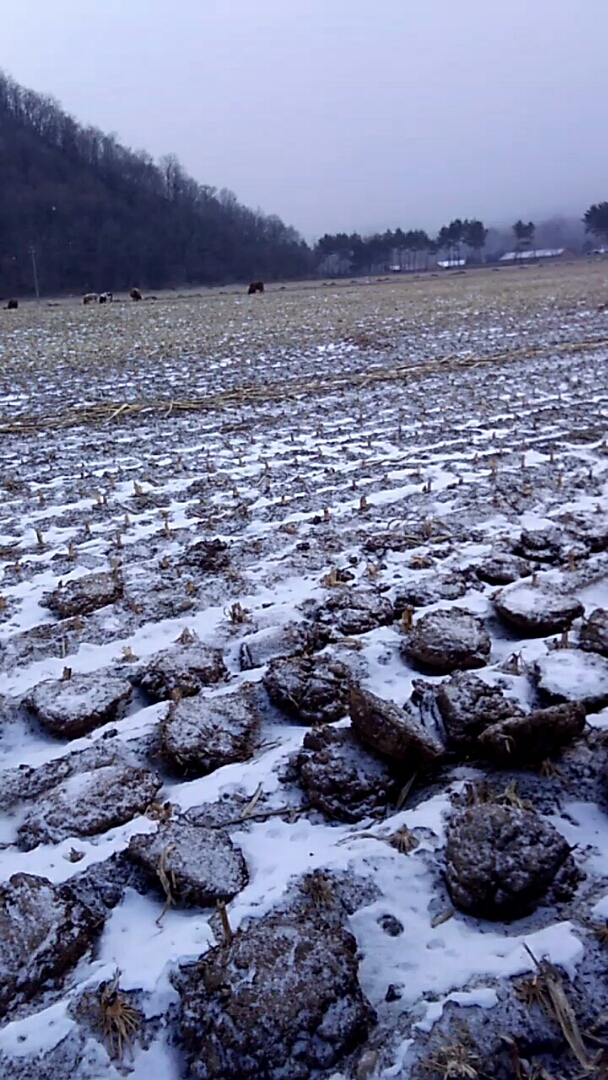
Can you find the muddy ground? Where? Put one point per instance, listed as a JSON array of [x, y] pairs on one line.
[[224, 521]]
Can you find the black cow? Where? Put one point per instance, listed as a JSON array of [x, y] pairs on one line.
[[256, 286]]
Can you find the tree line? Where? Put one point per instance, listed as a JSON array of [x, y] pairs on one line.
[[98, 216], [401, 250], [460, 241]]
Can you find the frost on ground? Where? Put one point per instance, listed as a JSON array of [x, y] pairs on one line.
[[303, 683]]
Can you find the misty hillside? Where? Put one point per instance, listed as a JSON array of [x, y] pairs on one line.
[[100, 216]]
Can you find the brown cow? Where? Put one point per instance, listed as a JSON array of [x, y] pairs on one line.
[[256, 286], [12, 305], [90, 298], [135, 294]]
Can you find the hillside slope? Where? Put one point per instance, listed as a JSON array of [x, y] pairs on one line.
[[103, 217]]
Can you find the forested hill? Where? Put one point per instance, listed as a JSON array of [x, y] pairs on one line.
[[100, 216]]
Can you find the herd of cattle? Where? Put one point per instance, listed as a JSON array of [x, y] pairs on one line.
[[135, 294], [97, 298], [107, 297]]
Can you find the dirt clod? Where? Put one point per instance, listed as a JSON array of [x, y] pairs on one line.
[[393, 732], [447, 640], [44, 933], [88, 803], [201, 865], [84, 595], [500, 860], [201, 734], [281, 1000], [73, 707], [341, 777], [184, 669], [310, 689]]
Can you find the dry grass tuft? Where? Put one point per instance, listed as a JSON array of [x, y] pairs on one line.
[[167, 881], [227, 934], [454, 1060], [162, 812], [509, 797], [318, 888], [403, 840], [547, 987], [531, 990], [548, 768], [237, 614], [118, 1020]]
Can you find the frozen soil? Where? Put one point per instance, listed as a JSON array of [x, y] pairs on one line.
[[226, 525]]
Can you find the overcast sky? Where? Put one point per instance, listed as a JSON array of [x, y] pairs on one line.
[[341, 114]]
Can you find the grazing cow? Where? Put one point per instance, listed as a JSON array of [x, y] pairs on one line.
[[256, 286], [135, 294], [12, 305], [106, 297], [90, 298]]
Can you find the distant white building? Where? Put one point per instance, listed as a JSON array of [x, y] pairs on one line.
[[449, 264], [534, 253]]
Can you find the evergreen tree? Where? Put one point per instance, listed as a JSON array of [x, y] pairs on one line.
[[596, 221]]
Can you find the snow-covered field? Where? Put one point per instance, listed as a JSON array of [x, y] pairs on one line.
[[339, 440]]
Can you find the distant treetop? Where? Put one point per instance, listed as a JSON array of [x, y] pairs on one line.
[[596, 220]]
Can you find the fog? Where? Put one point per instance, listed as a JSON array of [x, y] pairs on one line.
[[341, 114]]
